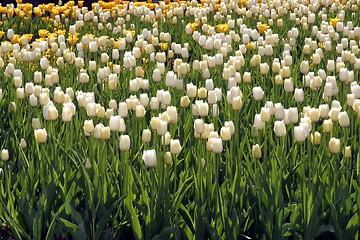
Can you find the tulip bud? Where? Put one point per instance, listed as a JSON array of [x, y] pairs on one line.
[[184, 101], [146, 136], [293, 115], [344, 120], [216, 145], [168, 158], [124, 143], [175, 146], [316, 138], [23, 144], [87, 164], [1, 174], [279, 111], [334, 145], [299, 95], [40, 135], [225, 133], [258, 122], [149, 157], [279, 128], [256, 151], [327, 126], [4, 155], [199, 125], [347, 152], [258, 93], [299, 133], [35, 123]]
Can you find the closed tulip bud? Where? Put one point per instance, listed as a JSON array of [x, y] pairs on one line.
[[87, 164], [279, 111], [299, 133], [12, 106], [299, 95], [191, 90], [149, 157], [124, 143], [89, 126], [279, 128], [22, 144], [165, 139], [172, 112], [237, 103], [202, 93], [247, 77], [146, 136], [334, 114], [162, 128], [199, 126], [101, 132], [35, 122], [216, 145], [256, 151], [265, 114], [347, 152], [344, 120], [175, 146], [4, 155], [327, 126], [288, 85], [202, 108], [100, 112], [225, 133], [316, 138], [40, 135], [140, 111], [66, 114], [293, 115], [168, 158], [324, 110], [258, 123], [184, 101], [258, 93], [334, 145]]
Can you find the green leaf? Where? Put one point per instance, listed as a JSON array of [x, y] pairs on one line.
[[324, 229], [353, 222]]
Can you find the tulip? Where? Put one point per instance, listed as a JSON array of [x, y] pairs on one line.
[[344, 120], [334, 145], [66, 114], [258, 93], [175, 146], [124, 143], [225, 133], [140, 111], [168, 158], [293, 115], [4, 154], [40, 135], [256, 151], [316, 138], [299, 133], [149, 157], [22, 143], [279, 111], [258, 122], [199, 125], [347, 152], [299, 95], [279, 128], [216, 145], [327, 126], [146, 136]]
